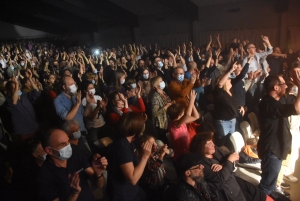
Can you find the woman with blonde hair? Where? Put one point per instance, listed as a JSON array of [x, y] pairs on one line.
[[159, 102]]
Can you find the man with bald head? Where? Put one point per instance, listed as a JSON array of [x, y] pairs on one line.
[[64, 174], [179, 87], [68, 103]]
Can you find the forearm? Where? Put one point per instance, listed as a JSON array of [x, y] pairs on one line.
[[33, 84], [71, 115], [297, 103], [94, 113], [195, 113], [223, 80], [15, 95], [138, 171], [73, 196], [208, 62]]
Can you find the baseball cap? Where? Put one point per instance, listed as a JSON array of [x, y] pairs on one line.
[[186, 161]]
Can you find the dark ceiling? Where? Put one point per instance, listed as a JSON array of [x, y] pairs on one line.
[[77, 16]]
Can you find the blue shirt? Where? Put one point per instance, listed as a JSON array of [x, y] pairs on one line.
[[187, 75], [63, 106]]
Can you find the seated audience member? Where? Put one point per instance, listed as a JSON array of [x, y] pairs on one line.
[[226, 107], [178, 129], [68, 103], [119, 76], [64, 174], [125, 170], [120, 105], [94, 109], [20, 105], [152, 180], [159, 102], [72, 129], [191, 184], [179, 87], [218, 171]]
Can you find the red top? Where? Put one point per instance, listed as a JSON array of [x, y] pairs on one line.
[[114, 117]]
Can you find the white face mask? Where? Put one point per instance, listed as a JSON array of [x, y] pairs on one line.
[[64, 153], [76, 135], [42, 157], [133, 85], [146, 76], [73, 88], [122, 81], [92, 91], [162, 85]]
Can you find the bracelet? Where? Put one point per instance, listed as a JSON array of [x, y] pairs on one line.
[[99, 176]]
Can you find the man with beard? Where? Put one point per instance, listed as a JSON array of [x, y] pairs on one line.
[[191, 185], [68, 103]]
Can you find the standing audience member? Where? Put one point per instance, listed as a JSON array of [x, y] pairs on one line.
[[179, 87], [274, 142], [226, 107], [20, 105], [160, 102], [256, 90], [125, 170], [178, 130], [68, 103]]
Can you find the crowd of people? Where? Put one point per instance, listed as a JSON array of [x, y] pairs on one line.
[[79, 118]]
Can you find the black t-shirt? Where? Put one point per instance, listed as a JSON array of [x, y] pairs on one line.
[[54, 183], [119, 188], [276, 65], [225, 106]]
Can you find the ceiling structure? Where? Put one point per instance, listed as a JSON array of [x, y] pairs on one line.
[[67, 16]]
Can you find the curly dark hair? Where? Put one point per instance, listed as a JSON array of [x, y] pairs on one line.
[[199, 140]]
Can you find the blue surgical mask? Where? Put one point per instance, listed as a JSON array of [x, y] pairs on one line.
[[12, 67], [22, 64], [160, 64], [93, 81], [19, 93], [95, 71], [64, 153], [76, 135], [122, 81], [162, 85], [146, 76], [133, 85], [180, 78]]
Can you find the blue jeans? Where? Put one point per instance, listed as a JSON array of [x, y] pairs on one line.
[[270, 166], [223, 127]]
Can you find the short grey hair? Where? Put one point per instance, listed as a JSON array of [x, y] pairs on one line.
[[67, 124]]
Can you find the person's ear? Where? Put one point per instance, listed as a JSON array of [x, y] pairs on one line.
[[48, 150], [187, 173], [64, 87], [34, 154]]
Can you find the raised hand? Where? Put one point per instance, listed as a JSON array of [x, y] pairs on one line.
[[147, 147], [74, 181], [265, 39], [99, 164]]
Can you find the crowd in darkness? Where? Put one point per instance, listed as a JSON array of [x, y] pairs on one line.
[[77, 120]]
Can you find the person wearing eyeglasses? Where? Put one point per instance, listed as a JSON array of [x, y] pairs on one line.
[[218, 170], [191, 184], [255, 92], [275, 140]]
